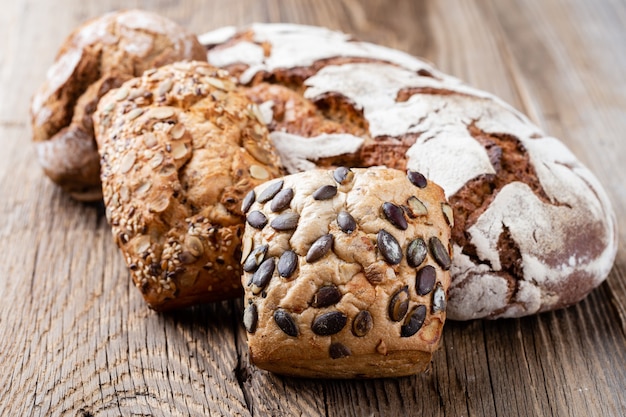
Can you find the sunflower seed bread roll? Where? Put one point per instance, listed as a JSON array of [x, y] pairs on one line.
[[346, 273], [96, 57], [534, 229], [180, 147]]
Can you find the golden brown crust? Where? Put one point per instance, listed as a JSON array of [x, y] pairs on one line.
[[179, 148], [347, 311], [96, 57]]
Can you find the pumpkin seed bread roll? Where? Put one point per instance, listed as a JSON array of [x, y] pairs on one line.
[[346, 272], [95, 58], [180, 147]]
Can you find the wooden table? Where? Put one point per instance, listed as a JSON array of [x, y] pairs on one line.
[[76, 338]]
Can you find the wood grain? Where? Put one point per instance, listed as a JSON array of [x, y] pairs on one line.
[[76, 338]]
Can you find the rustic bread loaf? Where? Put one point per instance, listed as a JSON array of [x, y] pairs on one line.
[[180, 147], [96, 57], [346, 272], [534, 229]]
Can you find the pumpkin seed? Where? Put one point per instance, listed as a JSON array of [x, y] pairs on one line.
[[285, 322], [329, 323]]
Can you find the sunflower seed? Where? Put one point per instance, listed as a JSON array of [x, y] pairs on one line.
[[416, 207], [251, 318], [270, 191], [399, 304], [362, 323], [416, 252], [440, 253], [282, 200], [285, 322], [325, 192], [160, 112], [258, 172], [164, 87], [285, 221], [414, 321], [329, 323], [257, 219], [134, 113], [127, 162], [343, 175], [287, 264], [338, 350], [425, 280], [395, 215], [326, 296], [417, 179], [177, 131], [254, 259], [262, 276], [389, 247], [319, 248], [346, 222], [439, 299], [248, 201]]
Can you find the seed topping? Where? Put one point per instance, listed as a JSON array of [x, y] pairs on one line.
[[257, 219], [327, 295], [416, 208], [399, 304], [255, 258], [325, 192], [440, 253], [414, 321], [417, 179], [285, 322], [338, 350], [425, 280], [439, 299], [362, 323], [343, 175], [329, 323], [389, 247], [287, 264], [251, 318], [262, 276], [270, 191], [346, 222], [395, 215], [285, 221], [248, 201], [319, 248], [416, 252], [282, 200]]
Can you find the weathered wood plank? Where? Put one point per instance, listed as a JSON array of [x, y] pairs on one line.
[[76, 338]]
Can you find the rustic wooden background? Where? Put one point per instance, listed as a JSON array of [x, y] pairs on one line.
[[76, 338]]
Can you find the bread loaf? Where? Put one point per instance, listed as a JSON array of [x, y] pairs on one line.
[[96, 57], [534, 229], [346, 272], [180, 147]]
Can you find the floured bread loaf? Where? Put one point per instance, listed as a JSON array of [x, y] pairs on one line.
[[534, 229], [180, 147], [96, 57], [346, 272]]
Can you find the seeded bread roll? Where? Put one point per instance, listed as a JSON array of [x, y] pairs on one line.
[[180, 147], [96, 57], [534, 229], [346, 273]]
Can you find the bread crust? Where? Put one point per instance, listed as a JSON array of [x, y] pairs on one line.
[[350, 305], [96, 57], [535, 230], [180, 147]]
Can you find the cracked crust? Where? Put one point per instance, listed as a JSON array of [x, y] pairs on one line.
[[98, 56], [535, 230], [180, 147]]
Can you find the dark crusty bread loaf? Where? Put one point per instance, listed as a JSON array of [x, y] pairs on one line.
[[96, 57], [180, 147], [346, 272], [534, 229]]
